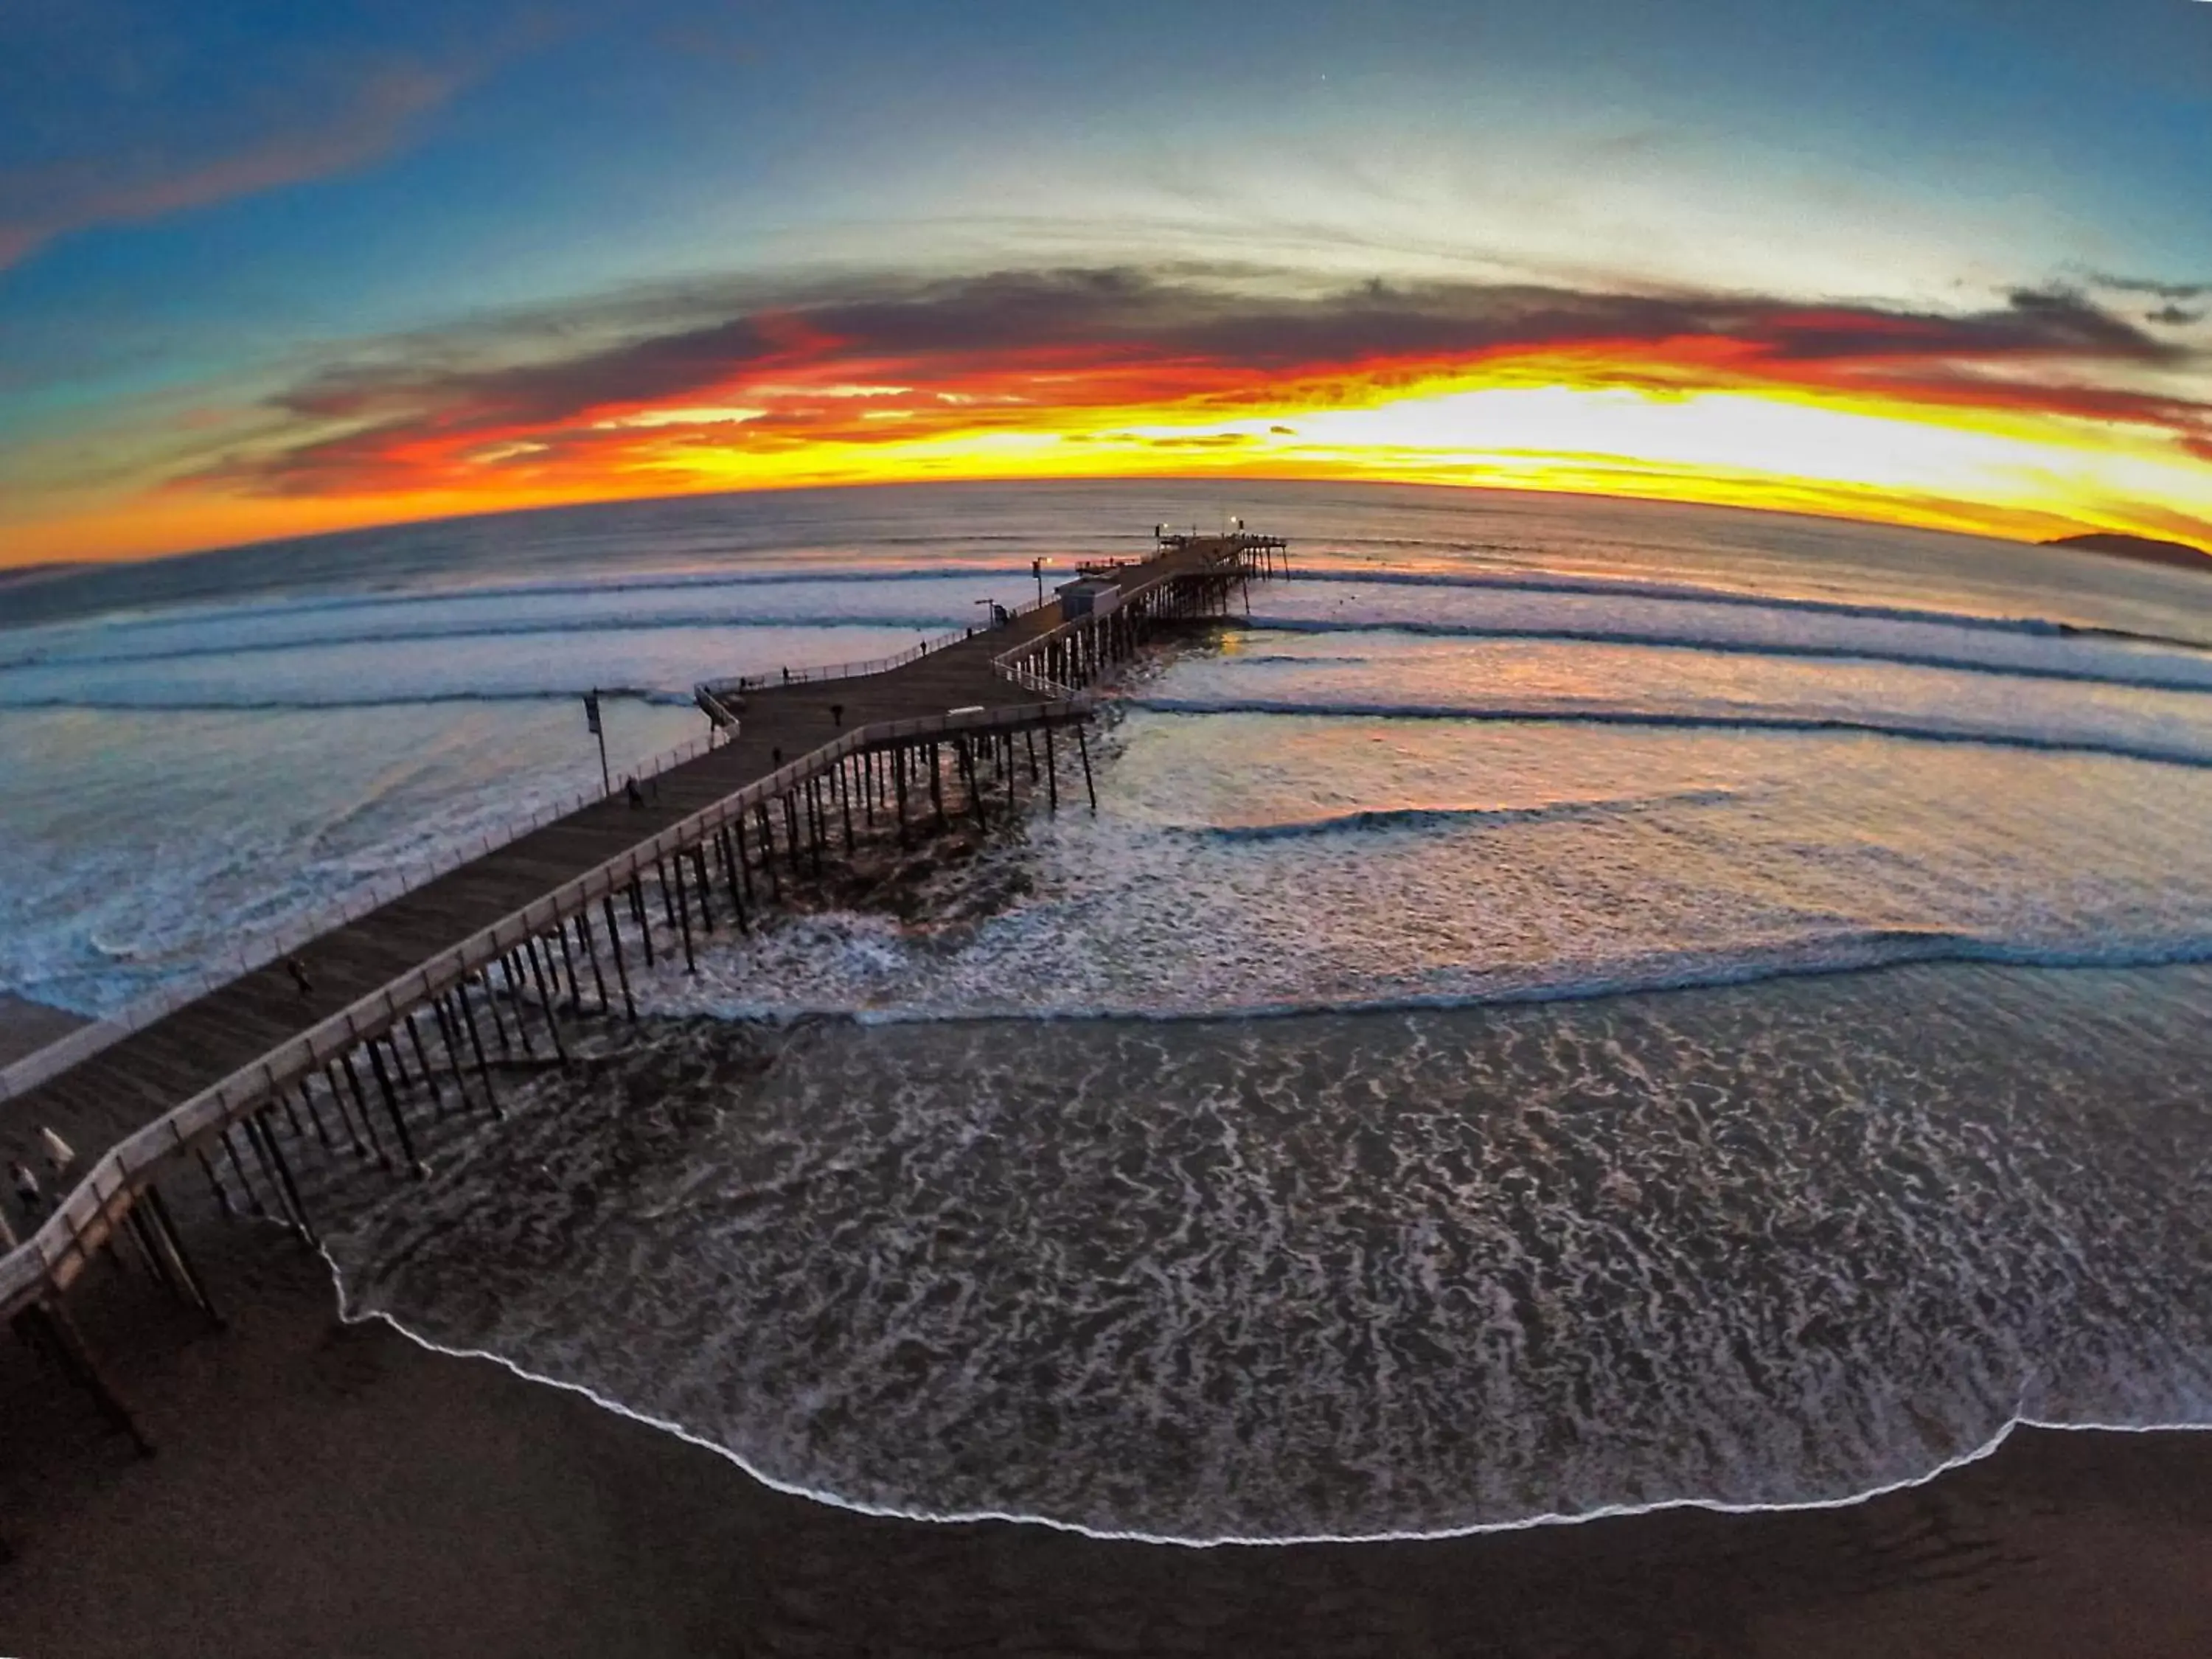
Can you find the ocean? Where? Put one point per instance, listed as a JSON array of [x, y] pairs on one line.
[[1567, 1005]]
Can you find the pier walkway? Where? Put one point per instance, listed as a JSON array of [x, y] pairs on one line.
[[795, 755]]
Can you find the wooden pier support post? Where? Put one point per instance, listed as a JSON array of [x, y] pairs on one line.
[[705, 892], [615, 948], [475, 1047], [791, 834], [668, 894], [730, 866], [1089, 787], [308, 1100], [416, 1167], [937, 787], [272, 1157], [398, 1065], [682, 913], [744, 858], [898, 773], [215, 1185], [513, 974], [591, 954], [544, 999], [282, 1216], [972, 773], [360, 1104], [491, 1007], [173, 1242], [449, 1035], [337, 1099], [149, 1251], [767, 848], [637, 915], [238, 1168], [1051, 770], [569, 967], [423, 1059]]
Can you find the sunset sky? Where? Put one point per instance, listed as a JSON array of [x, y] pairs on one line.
[[272, 269]]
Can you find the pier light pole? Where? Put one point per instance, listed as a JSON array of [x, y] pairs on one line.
[[592, 725]]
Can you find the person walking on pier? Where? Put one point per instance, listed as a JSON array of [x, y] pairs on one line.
[[61, 1157], [28, 1198], [298, 970], [634, 795]]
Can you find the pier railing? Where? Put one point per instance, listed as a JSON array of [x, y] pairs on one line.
[[64, 1244], [87, 1218], [737, 685], [279, 942], [1136, 601]]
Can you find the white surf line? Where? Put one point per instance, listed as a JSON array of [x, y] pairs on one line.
[[858, 1506], [1942, 950]]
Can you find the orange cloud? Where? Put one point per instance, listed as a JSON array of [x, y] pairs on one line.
[[2046, 411]]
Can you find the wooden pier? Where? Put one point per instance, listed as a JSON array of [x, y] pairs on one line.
[[403, 1010]]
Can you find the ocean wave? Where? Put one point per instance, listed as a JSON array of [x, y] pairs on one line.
[[1869, 950], [1340, 1280], [201, 703], [1808, 725], [1839, 652], [386, 637], [1675, 593], [1437, 817]]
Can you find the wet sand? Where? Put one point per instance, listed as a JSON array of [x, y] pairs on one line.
[[338, 1490]]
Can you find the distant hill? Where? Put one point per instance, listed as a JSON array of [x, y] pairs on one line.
[[2148, 548]]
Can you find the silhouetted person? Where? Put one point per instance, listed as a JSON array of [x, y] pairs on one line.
[[298, 970], [28, 1198], [836, 714], [636, 795], [61, 1157]]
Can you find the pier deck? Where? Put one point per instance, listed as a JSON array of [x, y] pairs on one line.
[[141, 1077]]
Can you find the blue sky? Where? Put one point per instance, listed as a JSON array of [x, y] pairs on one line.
[[197, 204]]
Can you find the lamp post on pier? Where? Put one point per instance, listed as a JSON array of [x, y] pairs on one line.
[[592, 725]]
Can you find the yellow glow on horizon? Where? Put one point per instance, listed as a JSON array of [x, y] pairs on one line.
[[1577, 425]]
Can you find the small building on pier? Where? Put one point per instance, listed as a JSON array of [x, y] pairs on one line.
[[1087, 596]]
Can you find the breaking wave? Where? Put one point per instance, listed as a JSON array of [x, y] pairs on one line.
[[1902, 730]]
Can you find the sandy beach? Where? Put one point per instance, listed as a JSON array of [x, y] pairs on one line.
[[321, 1488]]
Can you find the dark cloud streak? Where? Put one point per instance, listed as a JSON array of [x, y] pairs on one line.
[[1100, 337]]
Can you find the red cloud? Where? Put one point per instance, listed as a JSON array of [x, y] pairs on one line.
[[1012, 350]]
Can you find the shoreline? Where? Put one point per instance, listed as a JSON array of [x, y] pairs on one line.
[[331, 1487], [830, 1500]]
